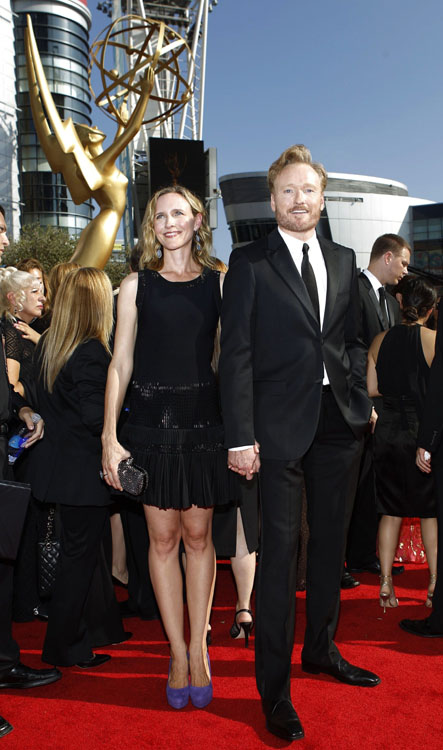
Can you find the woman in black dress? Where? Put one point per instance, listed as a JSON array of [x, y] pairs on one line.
[[399, 361], [167, 320]]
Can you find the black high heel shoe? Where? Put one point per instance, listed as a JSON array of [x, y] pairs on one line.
[[247, 627]]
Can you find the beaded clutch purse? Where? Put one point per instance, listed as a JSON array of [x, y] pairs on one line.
[[133, 478]]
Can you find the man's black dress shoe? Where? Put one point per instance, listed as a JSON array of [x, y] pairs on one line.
[[96, 661], [375, 568], [21, 676], [5, 727], [344, 672], [348, 581], [282, 720], [419, 627]]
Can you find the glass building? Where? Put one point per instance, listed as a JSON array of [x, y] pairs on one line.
[[61, 30]]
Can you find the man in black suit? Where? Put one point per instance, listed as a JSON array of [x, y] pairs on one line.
[[13, 674], [430, 454], [388, 264], [295, 405]]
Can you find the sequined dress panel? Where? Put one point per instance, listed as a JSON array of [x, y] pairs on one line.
[[174, 427]]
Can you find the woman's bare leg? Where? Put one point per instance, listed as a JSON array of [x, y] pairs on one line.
[[164, 534], [119, 567], [243, 567], [429, 534], [388, 534], [200, 577]]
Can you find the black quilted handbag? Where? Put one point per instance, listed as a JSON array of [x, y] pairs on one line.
[[48, 554]]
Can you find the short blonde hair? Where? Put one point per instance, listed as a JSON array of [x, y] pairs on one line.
[[297, 154], [83, 310], [17, 283], [201, 251]]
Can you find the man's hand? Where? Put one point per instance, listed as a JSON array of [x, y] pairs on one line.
[[245, 462], [423, 460], [26, 414]]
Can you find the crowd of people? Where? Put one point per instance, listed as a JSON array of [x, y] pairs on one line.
[[288, 373]]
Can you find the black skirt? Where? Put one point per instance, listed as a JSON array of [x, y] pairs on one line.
[[402, 489]]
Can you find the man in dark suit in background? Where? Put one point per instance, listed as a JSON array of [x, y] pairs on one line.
[[13, 674], [295, 406], [430, 454], [388, 264]]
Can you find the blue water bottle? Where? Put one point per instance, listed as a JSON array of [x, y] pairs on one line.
[[16, 443]]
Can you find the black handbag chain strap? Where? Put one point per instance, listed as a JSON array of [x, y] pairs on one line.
[[50, 526]]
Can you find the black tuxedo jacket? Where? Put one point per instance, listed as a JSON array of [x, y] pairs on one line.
[[431, 424], [64, 466], [272, 349], [372, 323]]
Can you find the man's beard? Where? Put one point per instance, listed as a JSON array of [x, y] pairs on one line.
[[297, 222]]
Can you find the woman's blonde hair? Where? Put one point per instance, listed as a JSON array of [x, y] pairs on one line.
[[17, 283], [201, 248], [83, 310], [55, 278]]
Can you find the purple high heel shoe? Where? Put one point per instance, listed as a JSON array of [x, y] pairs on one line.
[[201, 696], [176, 697]]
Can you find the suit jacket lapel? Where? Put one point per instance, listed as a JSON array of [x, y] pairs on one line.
[[374, 299], [332, 261], [281, 260]]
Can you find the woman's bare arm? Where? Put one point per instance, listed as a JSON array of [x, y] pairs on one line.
[[119, 374]]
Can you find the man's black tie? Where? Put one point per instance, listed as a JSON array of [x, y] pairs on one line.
[[308, 277], [383, 307]]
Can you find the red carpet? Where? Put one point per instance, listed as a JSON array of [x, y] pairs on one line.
[[122, 704]]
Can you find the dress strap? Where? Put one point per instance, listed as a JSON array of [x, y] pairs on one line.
[[141, 288]]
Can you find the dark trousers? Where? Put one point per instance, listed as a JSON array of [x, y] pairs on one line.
[[9, 650], [328, 468], [362, 534], [436, 616], [68, 637]]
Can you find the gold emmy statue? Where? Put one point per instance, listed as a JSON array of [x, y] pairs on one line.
[[76, 150]]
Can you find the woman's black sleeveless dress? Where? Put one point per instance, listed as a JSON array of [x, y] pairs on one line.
[[174, 426], [402, 373]]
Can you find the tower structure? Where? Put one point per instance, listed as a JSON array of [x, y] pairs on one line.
[[189, 18], [61, 29]]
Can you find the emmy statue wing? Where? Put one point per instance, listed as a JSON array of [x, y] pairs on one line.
[[65, 144]]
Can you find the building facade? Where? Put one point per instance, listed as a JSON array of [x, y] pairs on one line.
[[9, 181], [61, 29]]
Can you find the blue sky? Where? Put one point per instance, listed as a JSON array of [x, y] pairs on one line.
[[358, 81]]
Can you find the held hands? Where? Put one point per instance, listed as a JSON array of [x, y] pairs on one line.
[[423, 460], [112, 454], [245, 462], [37, 430]]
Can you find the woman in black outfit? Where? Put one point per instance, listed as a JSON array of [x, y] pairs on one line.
[[71, 367], [399, 362], [167, 319]]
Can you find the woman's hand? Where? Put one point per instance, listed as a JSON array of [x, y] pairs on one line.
[[27, 332], [112, 454]]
